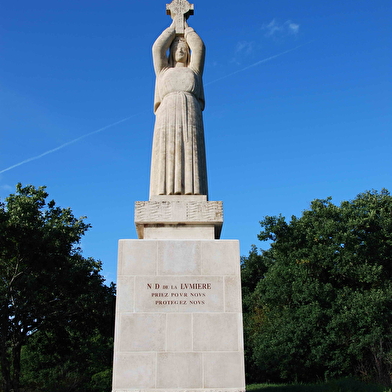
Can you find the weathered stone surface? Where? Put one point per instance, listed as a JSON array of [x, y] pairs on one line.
[[179, 257], [179, 370], [137, 258], [172, 294], [216, 332], [141, 332], [175, 294], [178, 163], [224, 370], [178, 211], [179, 10], [173, 218], [189, 320], [125, 299], [220, 258], [179, 231], [134, 369], [233, 300], [178, 312], [179, 337], [182, 390]]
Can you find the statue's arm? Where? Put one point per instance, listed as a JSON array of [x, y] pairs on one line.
[[160, 47], [198, 50]]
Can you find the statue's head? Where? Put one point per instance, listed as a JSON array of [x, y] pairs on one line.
[[179, 51]]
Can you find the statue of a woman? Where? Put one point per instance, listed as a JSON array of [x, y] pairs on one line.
[[178, 164]]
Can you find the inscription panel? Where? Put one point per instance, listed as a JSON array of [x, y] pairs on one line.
[[179, 294], [178, 320], [181, 390]]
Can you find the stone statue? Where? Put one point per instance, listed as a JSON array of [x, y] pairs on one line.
[[178, 164]]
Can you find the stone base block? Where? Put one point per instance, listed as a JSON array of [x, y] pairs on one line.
[[178, 317], [174, 217]]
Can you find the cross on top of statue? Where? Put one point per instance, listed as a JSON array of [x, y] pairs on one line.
[[179, 10]]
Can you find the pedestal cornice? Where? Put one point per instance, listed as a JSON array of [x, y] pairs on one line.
[[172, 214]]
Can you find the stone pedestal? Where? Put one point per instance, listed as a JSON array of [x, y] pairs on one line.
[[179, 313], [179, 316], [174, 217]]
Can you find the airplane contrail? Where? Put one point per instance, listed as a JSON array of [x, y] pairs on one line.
[[127, 118], [258, 63], [67, 144]]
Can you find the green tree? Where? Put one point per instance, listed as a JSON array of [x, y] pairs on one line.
[[253, 269], [323, 304], [46, 288], [69, 358]]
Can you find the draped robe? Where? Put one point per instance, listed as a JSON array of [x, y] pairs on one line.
[[178, 164]]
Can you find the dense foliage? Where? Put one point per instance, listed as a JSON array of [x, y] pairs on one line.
[[318, 303], [340, 385], [56, 313]]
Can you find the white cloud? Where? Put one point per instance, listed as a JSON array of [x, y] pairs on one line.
[[294, 28], [278, 30], [271, 28], [244, 47], [257, 63], [242, 50]]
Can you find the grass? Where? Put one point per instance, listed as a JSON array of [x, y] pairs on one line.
[[343, 385]]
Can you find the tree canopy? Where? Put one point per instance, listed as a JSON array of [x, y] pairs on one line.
[[318, 303], [49, 293]]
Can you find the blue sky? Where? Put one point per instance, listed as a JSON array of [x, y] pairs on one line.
[[298, 106]]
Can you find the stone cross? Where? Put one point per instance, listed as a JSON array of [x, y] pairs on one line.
[[179, 10]]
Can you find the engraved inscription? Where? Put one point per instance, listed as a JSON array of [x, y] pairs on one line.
[[179, 294], [175, 294]]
